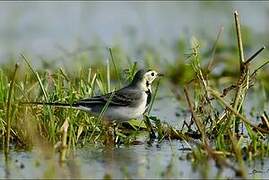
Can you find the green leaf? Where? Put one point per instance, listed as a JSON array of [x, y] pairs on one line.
[[137, 123]]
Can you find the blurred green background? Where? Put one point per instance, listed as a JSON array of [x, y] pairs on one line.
[[56, 30]]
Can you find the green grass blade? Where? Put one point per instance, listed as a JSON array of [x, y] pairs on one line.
[[8, 118], [37, 77]]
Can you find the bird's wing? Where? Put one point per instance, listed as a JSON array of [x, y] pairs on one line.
[[123, 97]]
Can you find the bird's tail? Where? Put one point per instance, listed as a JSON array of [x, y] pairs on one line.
[[56, 104]]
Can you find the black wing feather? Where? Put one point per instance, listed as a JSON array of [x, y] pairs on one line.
[[123, 97]]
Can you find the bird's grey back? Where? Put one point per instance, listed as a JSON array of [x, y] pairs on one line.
[[127, 96], [131, 94]]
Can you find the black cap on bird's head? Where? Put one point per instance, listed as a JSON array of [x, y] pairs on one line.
[[143, 76], [139, 75]]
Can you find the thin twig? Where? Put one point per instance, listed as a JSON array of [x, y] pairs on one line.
[[239, 39], [265, 120], [254, 55], [234, 111], [197, 121], [209, 66], [244, 72], [256, 70]]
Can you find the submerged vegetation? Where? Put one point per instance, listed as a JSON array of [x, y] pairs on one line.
[[219, 128]]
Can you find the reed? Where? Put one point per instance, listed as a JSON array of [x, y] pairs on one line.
[[8, 111]]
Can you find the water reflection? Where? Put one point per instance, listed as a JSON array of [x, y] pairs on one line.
[[164, 160], [7, 166], [139, 161]]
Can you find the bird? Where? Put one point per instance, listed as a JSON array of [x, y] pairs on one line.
[[129, 102]]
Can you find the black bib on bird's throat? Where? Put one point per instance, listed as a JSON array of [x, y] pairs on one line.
[[148, 92], [149, 97]]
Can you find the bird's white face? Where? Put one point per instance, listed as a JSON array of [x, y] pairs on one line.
[[150, 76]]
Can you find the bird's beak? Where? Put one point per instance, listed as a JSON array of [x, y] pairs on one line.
[[160, 74]]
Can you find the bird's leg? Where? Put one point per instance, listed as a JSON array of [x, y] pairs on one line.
[[149, 126], [109, 132], [115, 128]]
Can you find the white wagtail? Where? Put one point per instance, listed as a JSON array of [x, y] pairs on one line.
[[122, 105]]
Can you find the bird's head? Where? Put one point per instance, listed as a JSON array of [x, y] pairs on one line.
[[143, 79]]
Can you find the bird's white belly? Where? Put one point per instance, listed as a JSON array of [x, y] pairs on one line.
[[126, 113]]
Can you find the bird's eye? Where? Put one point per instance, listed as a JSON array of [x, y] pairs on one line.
[[152, 74]]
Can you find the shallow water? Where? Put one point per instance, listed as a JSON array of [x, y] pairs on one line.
[[138, 161]]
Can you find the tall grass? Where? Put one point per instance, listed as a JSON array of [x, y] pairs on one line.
[[8, 111]]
